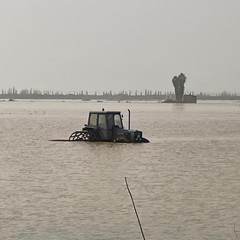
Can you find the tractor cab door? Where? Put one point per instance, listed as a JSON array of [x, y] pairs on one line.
[[114, 124], [102, 126], [98, 122]]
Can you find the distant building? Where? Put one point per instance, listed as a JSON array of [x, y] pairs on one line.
[[189, 98]]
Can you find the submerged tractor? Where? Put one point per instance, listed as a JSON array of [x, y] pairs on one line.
[[107, 126]]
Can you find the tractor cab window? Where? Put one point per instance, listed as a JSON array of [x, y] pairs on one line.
[[92, 119], [102, 123], [118, 121], [110, 121]]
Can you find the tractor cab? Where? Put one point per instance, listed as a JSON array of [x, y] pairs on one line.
[[104, 123], [107, 126]]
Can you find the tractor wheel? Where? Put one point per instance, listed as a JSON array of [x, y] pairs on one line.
[[91, 137], [76, 136]]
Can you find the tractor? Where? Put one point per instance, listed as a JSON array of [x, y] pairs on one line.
[[107, 126]]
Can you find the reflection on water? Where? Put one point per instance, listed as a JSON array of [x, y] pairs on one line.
[[185, 182]]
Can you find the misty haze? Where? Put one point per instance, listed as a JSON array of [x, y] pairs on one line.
[[119, 119]]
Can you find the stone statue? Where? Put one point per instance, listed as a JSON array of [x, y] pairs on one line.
[[178, 83]]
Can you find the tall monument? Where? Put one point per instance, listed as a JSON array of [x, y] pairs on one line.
[[178, 83]]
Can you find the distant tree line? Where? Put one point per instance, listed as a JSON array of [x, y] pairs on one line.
[[13, 93], [108, 95]]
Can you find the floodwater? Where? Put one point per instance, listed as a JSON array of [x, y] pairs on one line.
[[185, 182]]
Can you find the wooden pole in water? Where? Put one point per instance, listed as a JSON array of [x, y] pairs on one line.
[[139, 223]]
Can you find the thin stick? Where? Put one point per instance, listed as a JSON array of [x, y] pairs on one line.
[[235, 230], [139, 223]]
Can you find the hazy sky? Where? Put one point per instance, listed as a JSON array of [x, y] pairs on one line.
[[118, 45]]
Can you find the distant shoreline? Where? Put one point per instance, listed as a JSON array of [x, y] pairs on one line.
[[115, 97]]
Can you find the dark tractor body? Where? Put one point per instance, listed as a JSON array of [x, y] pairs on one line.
[[107, 126]]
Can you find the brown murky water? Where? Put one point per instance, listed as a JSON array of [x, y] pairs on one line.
[[185, 183]]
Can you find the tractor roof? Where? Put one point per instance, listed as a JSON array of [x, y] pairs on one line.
[[105, 112]]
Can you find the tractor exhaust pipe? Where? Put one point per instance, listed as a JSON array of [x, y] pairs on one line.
[[129, 118]]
